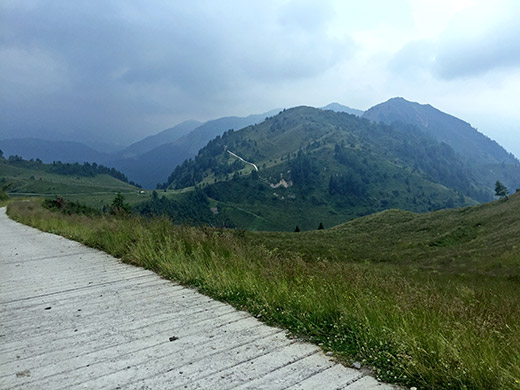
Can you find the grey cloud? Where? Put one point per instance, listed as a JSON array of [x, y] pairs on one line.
[[122, 65], [497, 47], [459, 53], [413, 59], [306, 15]]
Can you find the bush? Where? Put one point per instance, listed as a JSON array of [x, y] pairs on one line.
[[119, 206], [68, 207], [3, 195]]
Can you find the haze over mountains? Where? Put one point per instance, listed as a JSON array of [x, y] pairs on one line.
[[150, 161], [341, 108], [49, 151], [147, 162], [163, 137]]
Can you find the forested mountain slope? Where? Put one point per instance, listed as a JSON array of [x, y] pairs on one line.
[[323, 166], [154, 165], [488, 160]]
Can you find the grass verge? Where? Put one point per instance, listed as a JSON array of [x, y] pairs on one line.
[[435, 331]]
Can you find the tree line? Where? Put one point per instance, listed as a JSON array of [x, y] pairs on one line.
[[68, 169]]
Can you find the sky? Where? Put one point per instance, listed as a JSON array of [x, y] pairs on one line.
[[116, 71]]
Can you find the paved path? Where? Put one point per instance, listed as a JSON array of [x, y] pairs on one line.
[[72, 317]]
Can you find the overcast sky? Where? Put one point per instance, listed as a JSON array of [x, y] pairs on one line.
[[119, 70]]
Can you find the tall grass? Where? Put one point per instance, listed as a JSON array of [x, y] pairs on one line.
[[428, 330]]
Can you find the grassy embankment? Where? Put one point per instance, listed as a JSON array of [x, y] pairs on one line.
[[387, 289]]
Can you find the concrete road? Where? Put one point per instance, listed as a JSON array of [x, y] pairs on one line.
[[72, 317]]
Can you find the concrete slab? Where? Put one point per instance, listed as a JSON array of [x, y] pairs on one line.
[[72, 317]]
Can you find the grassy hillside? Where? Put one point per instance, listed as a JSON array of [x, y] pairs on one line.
[[322, 166], [27, 178], [478, 240], [374, 290]]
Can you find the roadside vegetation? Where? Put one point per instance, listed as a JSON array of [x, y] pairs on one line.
[[430, 300], [3, 198]]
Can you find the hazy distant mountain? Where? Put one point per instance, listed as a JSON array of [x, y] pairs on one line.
[[103, 147], [200, 136], [164, 137], [146, 162], [49, 151], [341, 108], [463, 138], [153, 167]]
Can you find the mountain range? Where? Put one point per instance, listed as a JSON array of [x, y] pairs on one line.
[[153, 141], [49, 151], [154, 165], [150, 161], [147, 162], [306, 165], [464, 139], [341, 108]]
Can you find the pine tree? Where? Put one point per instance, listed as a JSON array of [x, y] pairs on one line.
[[321, 226], [501, 190], [297, 229], [119, 206]]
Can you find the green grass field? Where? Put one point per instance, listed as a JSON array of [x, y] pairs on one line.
[[22, 181], [96, 191], [477, 240], [427, 300]]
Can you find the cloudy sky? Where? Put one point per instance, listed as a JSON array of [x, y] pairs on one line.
[[119, 70]]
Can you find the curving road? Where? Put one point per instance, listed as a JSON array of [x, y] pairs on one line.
[[72, 317], [244, 161]]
